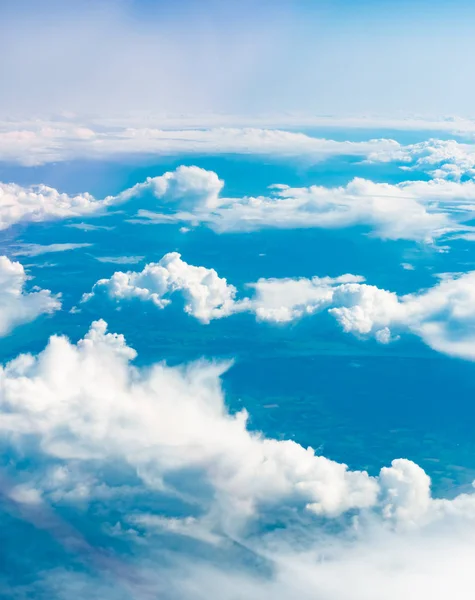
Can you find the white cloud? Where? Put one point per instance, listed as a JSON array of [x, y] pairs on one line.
[[90, 227], [170, 427], [16, 305], [285, 300], [442, 316], [443, 159], [413, 210], [160, 420], [42, 203], [191, 188], [35, 143], [38, 249], [207, 296], [120, 260]]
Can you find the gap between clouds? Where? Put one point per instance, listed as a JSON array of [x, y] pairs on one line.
[[413, 210], [319, 528], [443, 316]]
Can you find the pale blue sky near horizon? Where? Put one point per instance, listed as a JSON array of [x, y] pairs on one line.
[[317, 57]]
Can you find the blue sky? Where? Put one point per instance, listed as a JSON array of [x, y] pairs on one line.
[[237, 300], [246, 57]]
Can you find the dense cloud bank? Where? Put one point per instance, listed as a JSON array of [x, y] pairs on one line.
[[105, 431]]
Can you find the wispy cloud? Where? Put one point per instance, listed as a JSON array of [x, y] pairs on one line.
[[38, 249]]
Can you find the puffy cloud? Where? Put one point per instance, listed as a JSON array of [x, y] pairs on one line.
[[162, 420], [412, 210], [190, 188], [442, 316], [284, 300], [18, 306], [444, 159], [271, 518], [42, 203], [207, 296]]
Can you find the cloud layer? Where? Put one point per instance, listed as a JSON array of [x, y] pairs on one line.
[[411, 210], [41, 142], [107, 433], [442, 316]]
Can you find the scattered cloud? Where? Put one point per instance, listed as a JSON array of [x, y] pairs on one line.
[[42, 203], [89, 227], [207, 296], [442, 316], [411, 210], [442, 159], [120, 260], [38, 249], [17, 305]]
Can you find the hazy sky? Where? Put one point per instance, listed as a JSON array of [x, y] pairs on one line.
[[320, 57]]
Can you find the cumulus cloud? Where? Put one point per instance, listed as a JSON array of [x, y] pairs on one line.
[[18, 306], [285, 300], [412, 210], [207, 296], [162, 420], [103, 429], [42, 203], [442, 316], [442, 159], [190, 188]]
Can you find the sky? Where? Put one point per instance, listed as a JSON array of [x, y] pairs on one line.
[[241, 58], [237, 300]]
